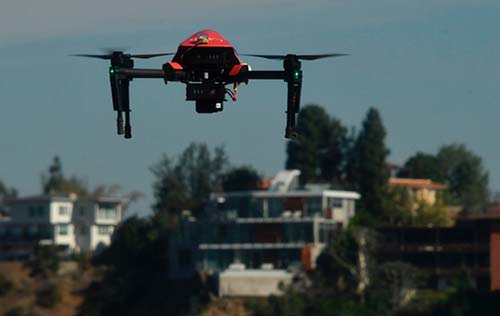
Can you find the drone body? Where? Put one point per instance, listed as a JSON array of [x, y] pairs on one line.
[[206, 62]]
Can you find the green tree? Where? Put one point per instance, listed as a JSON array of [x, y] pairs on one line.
[[367, 168], [6, 194], [423, 166], [45, 261], [5, 285], [241, 179], [136, 276], [465, 176], [186, 182], [49, 296], [319, 151], [54, 181]]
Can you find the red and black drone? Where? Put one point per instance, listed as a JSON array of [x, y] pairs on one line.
[[206, 62]]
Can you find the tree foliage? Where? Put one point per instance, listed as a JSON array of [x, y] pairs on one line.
[[136, 279], [5, 285], [54, 181], [367, 169], [460, 169], [6, 194], [45, 261], [465, 176], [243, 178], [422, 166], [49, 296], [187, 181], [319, 152]]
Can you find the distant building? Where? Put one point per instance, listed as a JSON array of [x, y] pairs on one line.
[[419, 190], [472, 246], [284, 226], [68, 222]]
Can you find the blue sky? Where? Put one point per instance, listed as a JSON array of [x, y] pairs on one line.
[[431, 67]]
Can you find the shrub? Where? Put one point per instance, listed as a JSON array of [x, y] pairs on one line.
[[45, 261], [49, 296], [5, 285], [15, 311]]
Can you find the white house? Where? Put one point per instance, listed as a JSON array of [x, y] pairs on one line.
[[65, 221]]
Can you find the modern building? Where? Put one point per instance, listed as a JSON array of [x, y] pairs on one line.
[[68, 222], [285, 226], [472, 246]]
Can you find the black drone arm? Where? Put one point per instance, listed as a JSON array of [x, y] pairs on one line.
[[120, 78], [292, 75]]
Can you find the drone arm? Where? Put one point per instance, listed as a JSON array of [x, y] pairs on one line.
[[264, 75], [292, 75]]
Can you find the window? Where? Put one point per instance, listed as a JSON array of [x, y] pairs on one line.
[[337, 203], [63, 210], [81, 210], [107, 211], [63, 229], [104, 230], [35, 211]]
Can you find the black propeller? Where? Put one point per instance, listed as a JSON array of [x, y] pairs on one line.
[[300, 57], [110, 55]]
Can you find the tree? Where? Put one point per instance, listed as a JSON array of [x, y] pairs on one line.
[[186, 182], [241, 179], [422, 166], [45, 261], [367, 168], [465, 176], [319, 151], [5, 195], [136, 279], [54, 181]]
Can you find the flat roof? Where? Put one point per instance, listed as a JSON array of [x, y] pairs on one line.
[[64, 198], [42, 198], [290, 194]]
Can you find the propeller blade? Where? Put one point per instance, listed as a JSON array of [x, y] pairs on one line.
[[320, 56], [146, 56], [106, 56], [110, 55], [279, 57], [302, 57]]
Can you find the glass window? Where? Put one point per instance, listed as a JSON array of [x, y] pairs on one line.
[[337, 203], [63, 229], [63, 210], [35, 211], [107, 211], [104, 230]]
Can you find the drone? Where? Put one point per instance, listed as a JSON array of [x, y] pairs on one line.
[[206, 62]]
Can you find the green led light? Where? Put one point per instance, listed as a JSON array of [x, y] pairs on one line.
[[111, 71], [296, 74]]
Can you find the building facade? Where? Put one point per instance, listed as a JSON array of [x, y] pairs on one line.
[[283, 227], [67, 222], [471, 246]]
